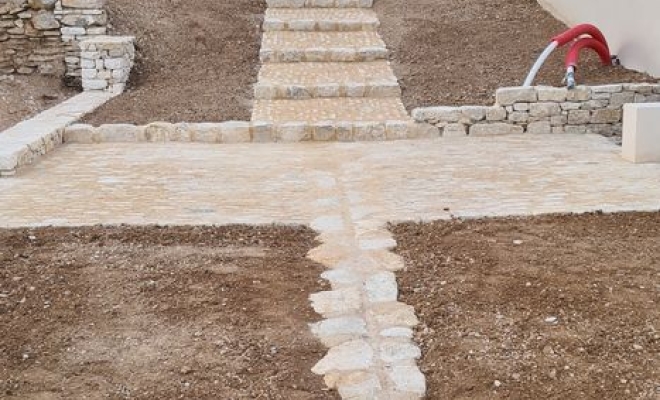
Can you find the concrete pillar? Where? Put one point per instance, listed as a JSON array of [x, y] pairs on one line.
[[641, 132]]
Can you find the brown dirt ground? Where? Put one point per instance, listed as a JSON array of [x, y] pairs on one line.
[[158, 313], [457, 52], [197, 60], [22, 97], [484, 290]]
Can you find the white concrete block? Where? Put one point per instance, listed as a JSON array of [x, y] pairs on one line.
[[641, 132]]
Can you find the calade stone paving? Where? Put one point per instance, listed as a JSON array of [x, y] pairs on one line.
[[346, 191]]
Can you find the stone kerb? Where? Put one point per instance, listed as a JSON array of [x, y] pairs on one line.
[[244, 132], [106, 62], [542, 109]]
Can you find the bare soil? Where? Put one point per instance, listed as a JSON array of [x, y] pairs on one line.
[[22, 97], [553, 307], [457, 52], [158, 313], [197, 60]]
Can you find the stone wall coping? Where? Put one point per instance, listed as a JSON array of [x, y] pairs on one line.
[[103, 39], [24, 142]]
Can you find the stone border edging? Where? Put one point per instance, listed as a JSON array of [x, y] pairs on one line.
[[542, 109], [26, 141], [245, 132]]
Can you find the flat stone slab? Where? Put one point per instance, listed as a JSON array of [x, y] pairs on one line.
[[28, 140], [144, 183], [351, 356]]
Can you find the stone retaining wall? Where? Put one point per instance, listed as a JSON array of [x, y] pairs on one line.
[[44, 35], [106, 62], [541, 109]]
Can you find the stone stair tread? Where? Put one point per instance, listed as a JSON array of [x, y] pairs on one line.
[[331, 109], [320, 3], [308, 74], [285, 40], [320, 19]]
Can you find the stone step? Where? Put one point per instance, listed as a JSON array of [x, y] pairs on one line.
[[319, 80], [320, 3], [331, 109], [283, 46], [320, 19]]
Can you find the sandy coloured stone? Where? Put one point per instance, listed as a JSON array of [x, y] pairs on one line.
[[341, 278], [606, 116], [644, 88], [393, 351], [408, 379], [519, 117], [393, 314], [381, 287], [521, 107], [235, 132], [262, 132], [205, 132], [369, 131], [511, 95], [567, 106], [350, 356], [359, 385], [397, 332], [337, 302], [80, 133], [617, 100], [472, 114], [496, 113], [551, 94], [548, 109], [539, 127], [182, 133], [328, 223], [497, 128], [454, 130], [580, 93], [437, 114], [607, 88], [121, 133], [397, 130], [579, 117], [292, 132], [159, 131], [335, 331]]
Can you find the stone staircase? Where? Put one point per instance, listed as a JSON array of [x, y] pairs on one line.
[[325, 74]]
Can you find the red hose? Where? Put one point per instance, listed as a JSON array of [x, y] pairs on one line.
[[579, 30], [574, 53]]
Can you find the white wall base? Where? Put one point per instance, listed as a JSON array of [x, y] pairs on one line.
[[641, 133]]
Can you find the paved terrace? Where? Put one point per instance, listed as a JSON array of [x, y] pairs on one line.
[[180, 183], [347, 191]]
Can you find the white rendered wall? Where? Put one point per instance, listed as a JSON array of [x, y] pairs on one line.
[[632, 27]]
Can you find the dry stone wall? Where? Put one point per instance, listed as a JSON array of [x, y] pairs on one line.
[[541, 109], [106, 62], [44, 35]]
